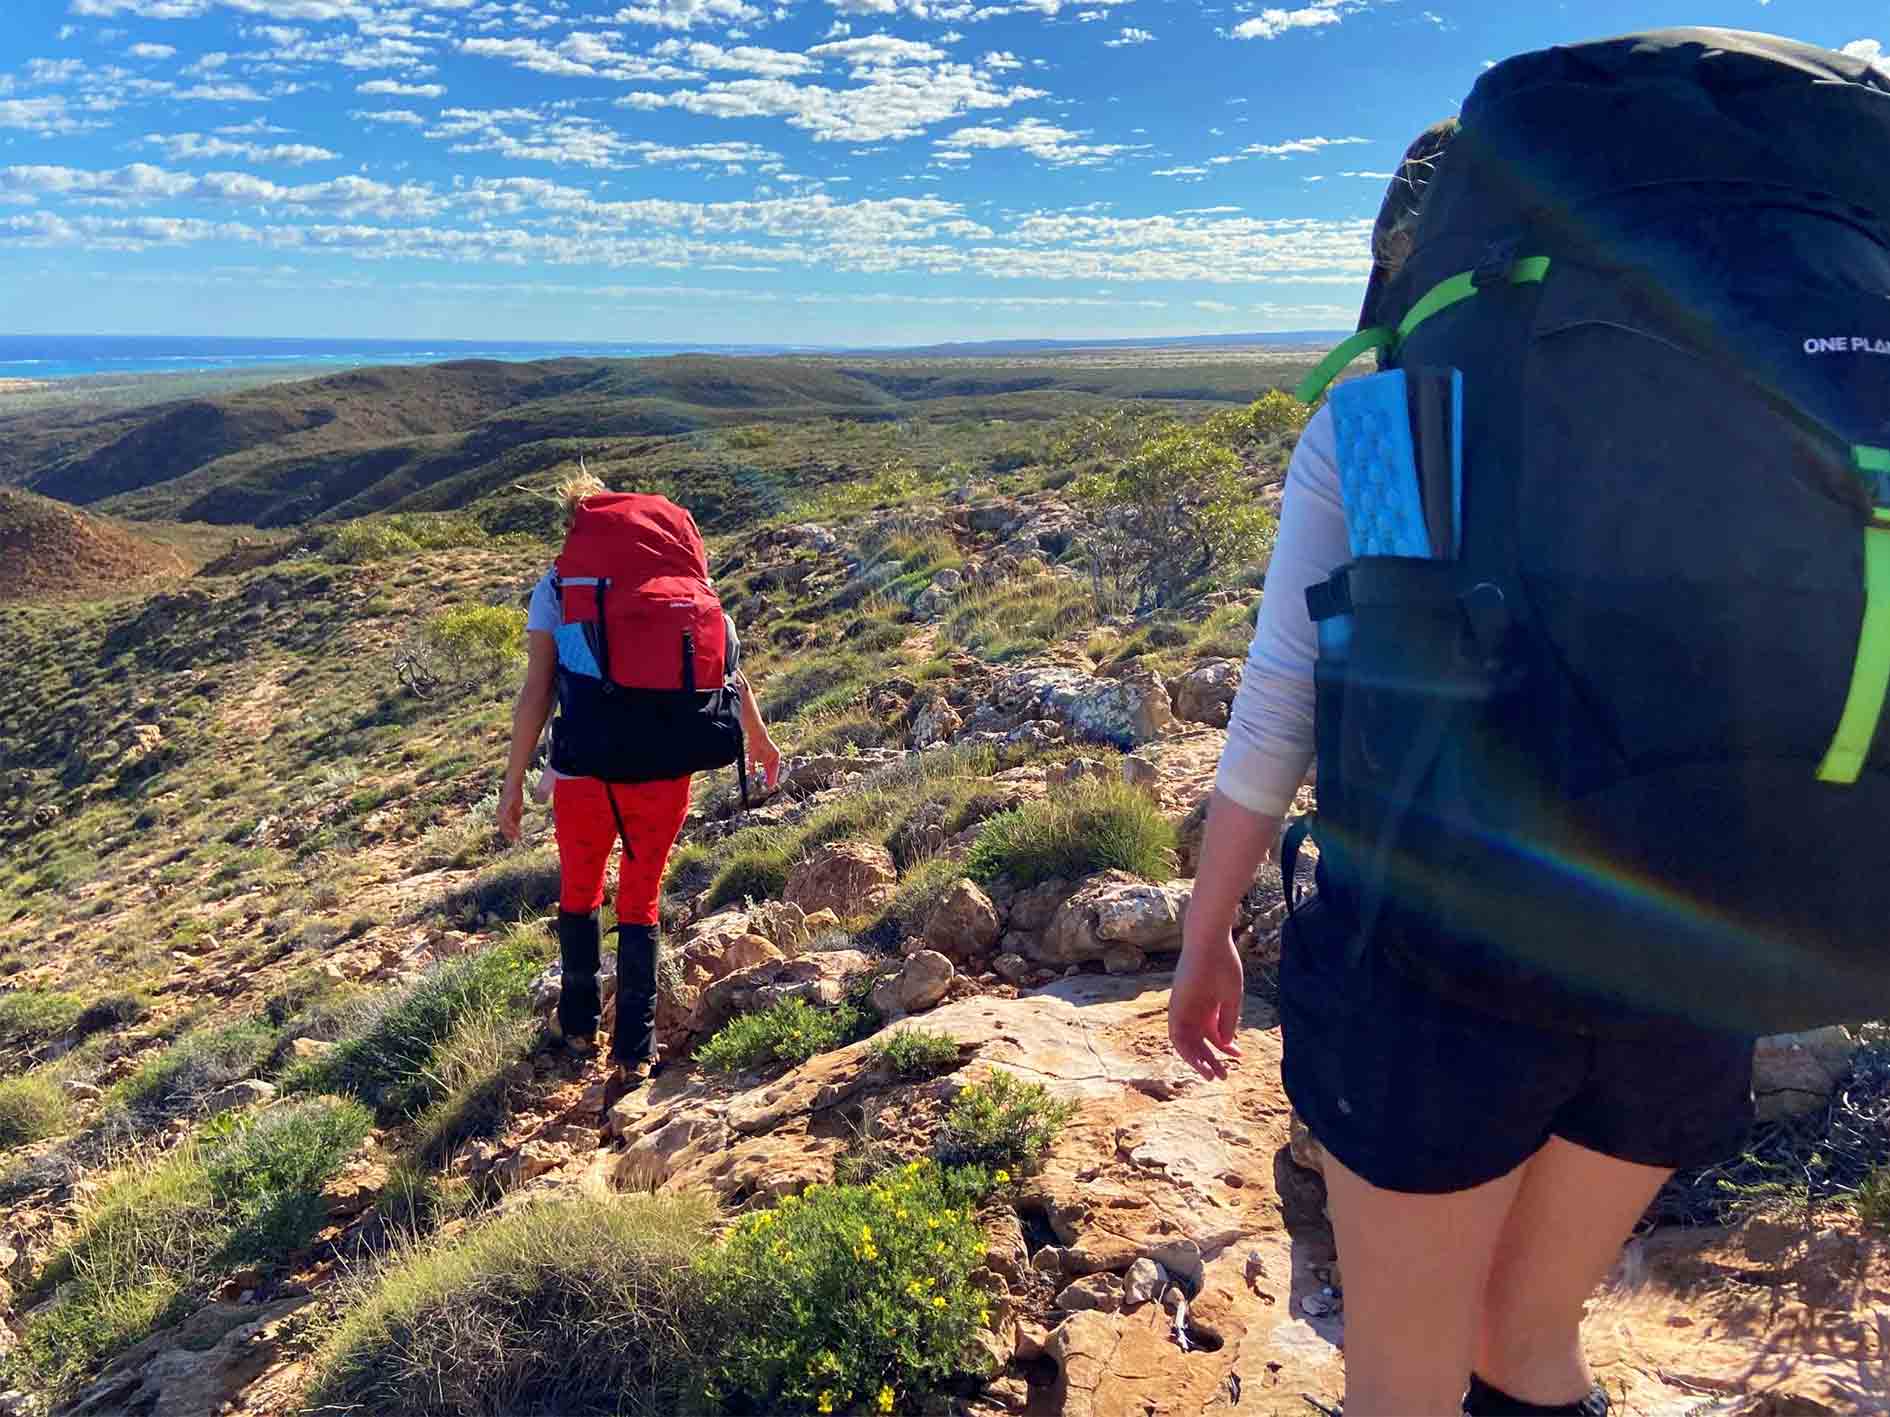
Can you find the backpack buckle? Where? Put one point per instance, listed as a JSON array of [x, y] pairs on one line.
[[1498, 264]]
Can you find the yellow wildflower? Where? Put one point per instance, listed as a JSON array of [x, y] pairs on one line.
[[1003, 1178], [984, 1318], [826, 1401], [886, 1399], [912, 1167], [938, 1301], [866, 1233], [932, 1223]]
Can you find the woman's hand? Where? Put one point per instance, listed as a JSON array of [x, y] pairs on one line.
[[1204, 1007], [512, 810], [765, 758]]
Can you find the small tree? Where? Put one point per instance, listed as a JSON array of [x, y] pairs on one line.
[[461, 648], [1168, 516], [1275, 417]]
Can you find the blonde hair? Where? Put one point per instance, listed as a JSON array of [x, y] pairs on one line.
[[574, 489]]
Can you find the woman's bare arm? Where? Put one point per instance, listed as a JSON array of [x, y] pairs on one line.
[[529, 712]]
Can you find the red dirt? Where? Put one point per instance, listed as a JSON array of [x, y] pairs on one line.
[[49, 550]]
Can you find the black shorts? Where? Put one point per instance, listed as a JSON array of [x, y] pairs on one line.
[[1414, 1092]]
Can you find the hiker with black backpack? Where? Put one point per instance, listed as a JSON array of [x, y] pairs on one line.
[[1582, 604], [627, 636]]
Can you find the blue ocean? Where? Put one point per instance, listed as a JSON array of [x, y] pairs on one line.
[[78, 356]]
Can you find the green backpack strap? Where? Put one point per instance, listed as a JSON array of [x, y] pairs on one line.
[[1870, 676], [1530, 270]]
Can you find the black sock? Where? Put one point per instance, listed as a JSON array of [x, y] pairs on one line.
[[1485, 1401], [580, 941]]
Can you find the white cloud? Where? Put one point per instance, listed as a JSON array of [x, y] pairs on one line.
[[1044, 141], [772, 63], [53, 71], [1869, 50], [902, 90], [1271, 24], [151, 51], [222, 93], [687, 14], [44, 116], [570, 141], [403, 117], [1216, 307], [1179, 172], [1129, 35], [1294, 147], [182, 147], [579, 55], [999, 60], [140, 182], [393, 88]]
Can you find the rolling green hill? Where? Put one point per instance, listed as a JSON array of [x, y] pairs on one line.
[[441, 437]]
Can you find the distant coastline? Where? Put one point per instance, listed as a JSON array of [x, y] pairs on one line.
[[39, 358]]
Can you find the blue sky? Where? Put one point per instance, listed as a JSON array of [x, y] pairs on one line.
[[806, 171]]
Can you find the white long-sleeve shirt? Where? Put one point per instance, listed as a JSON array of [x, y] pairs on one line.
[[1270, 732]]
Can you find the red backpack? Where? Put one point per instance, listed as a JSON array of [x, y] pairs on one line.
[[643, 691]]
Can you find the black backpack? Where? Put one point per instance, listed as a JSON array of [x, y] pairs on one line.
[[1616, 760]]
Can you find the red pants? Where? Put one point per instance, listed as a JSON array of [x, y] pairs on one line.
[[652, 813]]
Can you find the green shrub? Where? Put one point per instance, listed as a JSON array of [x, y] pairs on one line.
[[111, 1012], [478, 641], [583, 1306], [1099, 827], [1002, 1122], [180, 1078], [1168, 518], [32, 1106], [912, 1052], [359, 542], [790, 1031], [849, 1297], [156, 1238], [518, 884], [392, 1065]]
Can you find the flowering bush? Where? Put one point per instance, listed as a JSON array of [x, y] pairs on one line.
[[851, 1298], [790, 1031], [1002, 1121]]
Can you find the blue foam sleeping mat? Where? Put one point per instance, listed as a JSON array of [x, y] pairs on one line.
[[1384, 506]]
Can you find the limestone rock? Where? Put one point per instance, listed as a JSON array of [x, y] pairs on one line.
[[1075, 770], [1102, 1292], [1206, 695], [1124, 959], [847, 877], [1012, 969], [530, 1161], [1111, 909], [200, 1366], [83, 1091], [1140, 773], [964, 924], [310, 1050], [1011, 1393], [1794, 1074], [247, 1093], [918, 986], [819, 978], [936, 723], [1144, 1283], [1305, 1148], [1034, 908], [1120, 713]]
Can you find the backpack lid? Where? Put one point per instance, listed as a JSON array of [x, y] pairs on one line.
[[632, 537], [1549, 131]]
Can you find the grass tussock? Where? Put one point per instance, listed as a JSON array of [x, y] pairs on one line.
[[393, 1064], [788, 1032], [1100, 826], [156, 1238], [33, 1106], [178, 1080], [576, 1306]]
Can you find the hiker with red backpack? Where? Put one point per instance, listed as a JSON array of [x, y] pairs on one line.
[[1582, 604], [627, 636]]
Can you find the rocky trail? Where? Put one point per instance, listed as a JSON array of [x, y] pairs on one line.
[[1171, 1256]]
